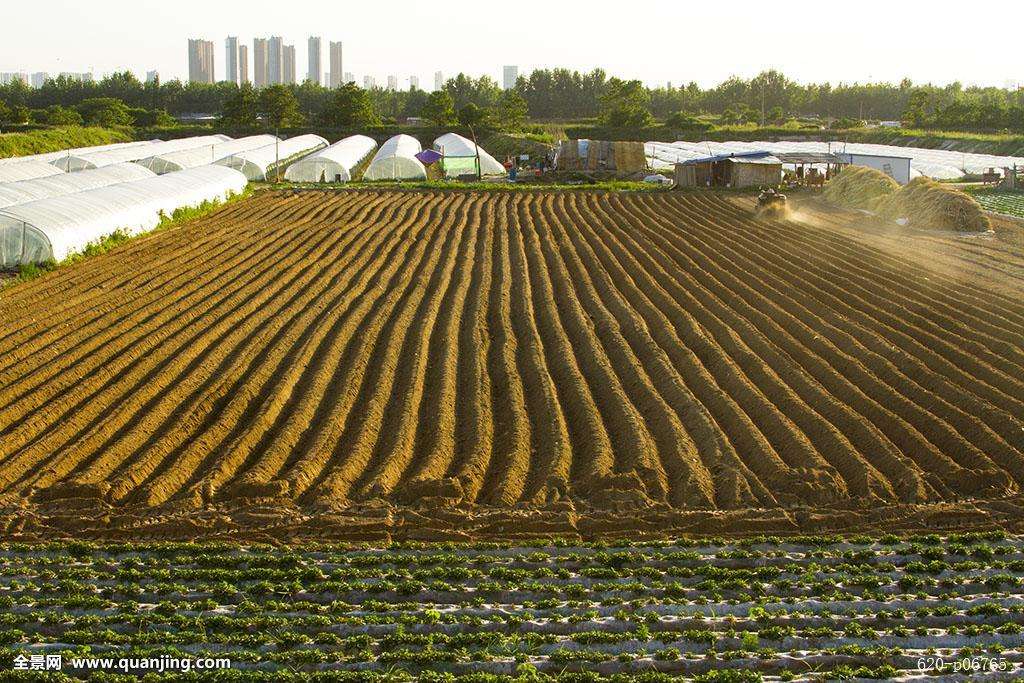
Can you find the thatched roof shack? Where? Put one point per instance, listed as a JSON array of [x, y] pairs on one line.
[[742, 169]]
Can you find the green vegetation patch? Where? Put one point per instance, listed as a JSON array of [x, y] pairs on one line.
[[56, 139]]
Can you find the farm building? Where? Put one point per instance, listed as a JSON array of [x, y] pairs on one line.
[[201, 156], [743, 169], [620, 157], [87, 159], [333, 164], [259, 163], [460, 157], [61, 184], [55, 227], [896, 167], [396, 160]]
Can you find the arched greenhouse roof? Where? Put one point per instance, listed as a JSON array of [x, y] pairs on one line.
[[257, 163], [68, 183], [50, 156], [202, 156], [396, 160], [26, 170], [53, 228], [457, 146], [80, 162], [334, 163]]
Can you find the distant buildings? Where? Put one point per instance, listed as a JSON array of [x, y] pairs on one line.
[[414, 82], [392, 82], [7, 77], [82, 77], [231, 59], [152, 76], [288, 66], [275, 60], [314, 54], [200, 61], [369, 83], [335, 65], [510, 75], [39, 79], [438, 80], [243, 64], [259, 62], [349, 77]]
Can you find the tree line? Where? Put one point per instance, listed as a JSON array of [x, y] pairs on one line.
[[543, 95]]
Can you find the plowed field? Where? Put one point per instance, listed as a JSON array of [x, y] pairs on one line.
[[356, 364]]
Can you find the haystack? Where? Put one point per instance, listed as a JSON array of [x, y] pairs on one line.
[[860, 187], [928, 204]]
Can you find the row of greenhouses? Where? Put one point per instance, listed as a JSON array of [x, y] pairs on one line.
[[54, 205]]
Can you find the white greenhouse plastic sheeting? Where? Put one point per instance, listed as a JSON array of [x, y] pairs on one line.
[[50, 156], [455, 145], [935, 163], [205, 155], [396, 160], [69, 183], [80, 162], [56, 227], [26, 170], [256, 163], [334, 163]]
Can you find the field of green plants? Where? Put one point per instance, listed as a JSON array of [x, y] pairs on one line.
[[1000, 201], [809, 608]]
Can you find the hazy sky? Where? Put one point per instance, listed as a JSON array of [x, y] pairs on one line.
[[654, 40]]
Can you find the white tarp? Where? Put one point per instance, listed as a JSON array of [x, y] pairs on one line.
[[69, 183], [935, 163], [455, 145], [26, 170], [256, 163], [396, 160], [334, 163], [205, 155], [53, 228], [80, 162]]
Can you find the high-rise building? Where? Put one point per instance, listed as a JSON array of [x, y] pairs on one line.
[[414, 82], [39, 79], [288, 64], [349, 77], [200, 61], [315, 53], [275, 60], [152, 76], [335, 65], [7, 77], [84, 77], [392, 82], [243, 64], [260, 66], [510, 75], [438, 80], [369, 83], [231, 59]]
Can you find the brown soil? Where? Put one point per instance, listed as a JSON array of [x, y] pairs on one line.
[[366, 365]]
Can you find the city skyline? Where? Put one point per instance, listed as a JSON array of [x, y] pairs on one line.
[[904, 45]]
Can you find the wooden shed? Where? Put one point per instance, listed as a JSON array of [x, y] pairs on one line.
[[745, 169]]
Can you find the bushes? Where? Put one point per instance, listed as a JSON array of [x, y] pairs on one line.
[[56, 139]]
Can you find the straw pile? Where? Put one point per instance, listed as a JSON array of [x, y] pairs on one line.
[[859, 187], [928, 204], [569, 155], [629, 157]]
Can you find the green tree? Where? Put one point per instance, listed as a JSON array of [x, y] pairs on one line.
[[105, 111], [625, 104], [472, 115], [242, 108], [351, 107], [439, 108], [56, 115], [281, 108], [512, 110]]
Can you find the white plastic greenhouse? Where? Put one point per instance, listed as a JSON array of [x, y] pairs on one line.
[[53, 228], [26, 170], [460, 156], [935, 163], [202, 156], [332, 164], [50, 156], [257, 163], [69, 183], [80, 162], [396, 160]]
